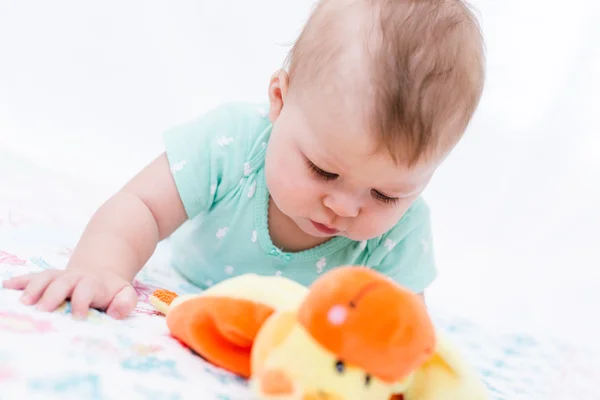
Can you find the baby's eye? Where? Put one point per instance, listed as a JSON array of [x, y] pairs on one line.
[[340, 367], [328, 176], [383, 198], [367, 380]]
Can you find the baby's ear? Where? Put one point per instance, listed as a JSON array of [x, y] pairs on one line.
[[278, 87], [445, 376]]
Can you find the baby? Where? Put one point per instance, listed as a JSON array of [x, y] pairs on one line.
[[375, 95]]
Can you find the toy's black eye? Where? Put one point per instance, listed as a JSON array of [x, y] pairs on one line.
[[367, 380], [340, 367]]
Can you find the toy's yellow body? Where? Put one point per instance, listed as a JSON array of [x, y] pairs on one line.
[[297, 344]]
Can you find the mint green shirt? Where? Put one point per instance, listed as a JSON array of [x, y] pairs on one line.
[[217, 162]]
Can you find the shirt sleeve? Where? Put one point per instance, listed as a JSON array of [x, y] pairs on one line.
[[405, 253], [209, 156]]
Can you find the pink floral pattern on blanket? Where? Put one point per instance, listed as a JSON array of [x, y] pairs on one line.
[[23, 323], [11, 259], [6, 374], [143, 290]]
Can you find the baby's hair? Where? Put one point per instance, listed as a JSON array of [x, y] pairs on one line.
[[425, 67]]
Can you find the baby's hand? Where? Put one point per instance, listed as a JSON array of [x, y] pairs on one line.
[[103, 290]]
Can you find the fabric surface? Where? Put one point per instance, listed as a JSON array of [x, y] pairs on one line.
[[217, 161], [51, 356]]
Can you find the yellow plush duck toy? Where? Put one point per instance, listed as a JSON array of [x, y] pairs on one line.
[[354, 334]]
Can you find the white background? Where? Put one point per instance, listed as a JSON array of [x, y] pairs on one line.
[[86, 88]]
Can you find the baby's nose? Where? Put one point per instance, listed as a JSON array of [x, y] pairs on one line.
[[342, 205]]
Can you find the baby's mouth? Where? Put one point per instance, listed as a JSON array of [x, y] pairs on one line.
[[324, 228]]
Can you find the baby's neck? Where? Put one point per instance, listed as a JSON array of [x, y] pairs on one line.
[[286, 235]]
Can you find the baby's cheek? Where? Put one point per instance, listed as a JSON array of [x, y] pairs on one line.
[[375, 223], [297, 192], [283, 188], [286, 177]]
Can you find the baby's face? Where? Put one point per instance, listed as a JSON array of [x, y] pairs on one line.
[[324, 172]]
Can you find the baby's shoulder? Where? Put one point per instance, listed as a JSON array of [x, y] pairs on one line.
[[242, 122], [243, 126]]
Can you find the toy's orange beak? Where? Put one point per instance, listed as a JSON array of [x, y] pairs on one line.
[[369, 321]]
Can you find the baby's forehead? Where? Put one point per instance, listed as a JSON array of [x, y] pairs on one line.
[[341, 122]]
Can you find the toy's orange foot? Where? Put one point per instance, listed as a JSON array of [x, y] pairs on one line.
[[275, 382], [220, 329]]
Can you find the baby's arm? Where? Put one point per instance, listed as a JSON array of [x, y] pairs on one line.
[[124, 232], [117, 242]]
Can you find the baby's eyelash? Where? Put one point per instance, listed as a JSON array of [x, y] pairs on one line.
[[328, 176], [383, 198]]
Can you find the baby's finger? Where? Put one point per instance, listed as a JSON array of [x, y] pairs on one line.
[[17, 282], [82, 297], [123, 303], [37, 285], [57, 292]]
